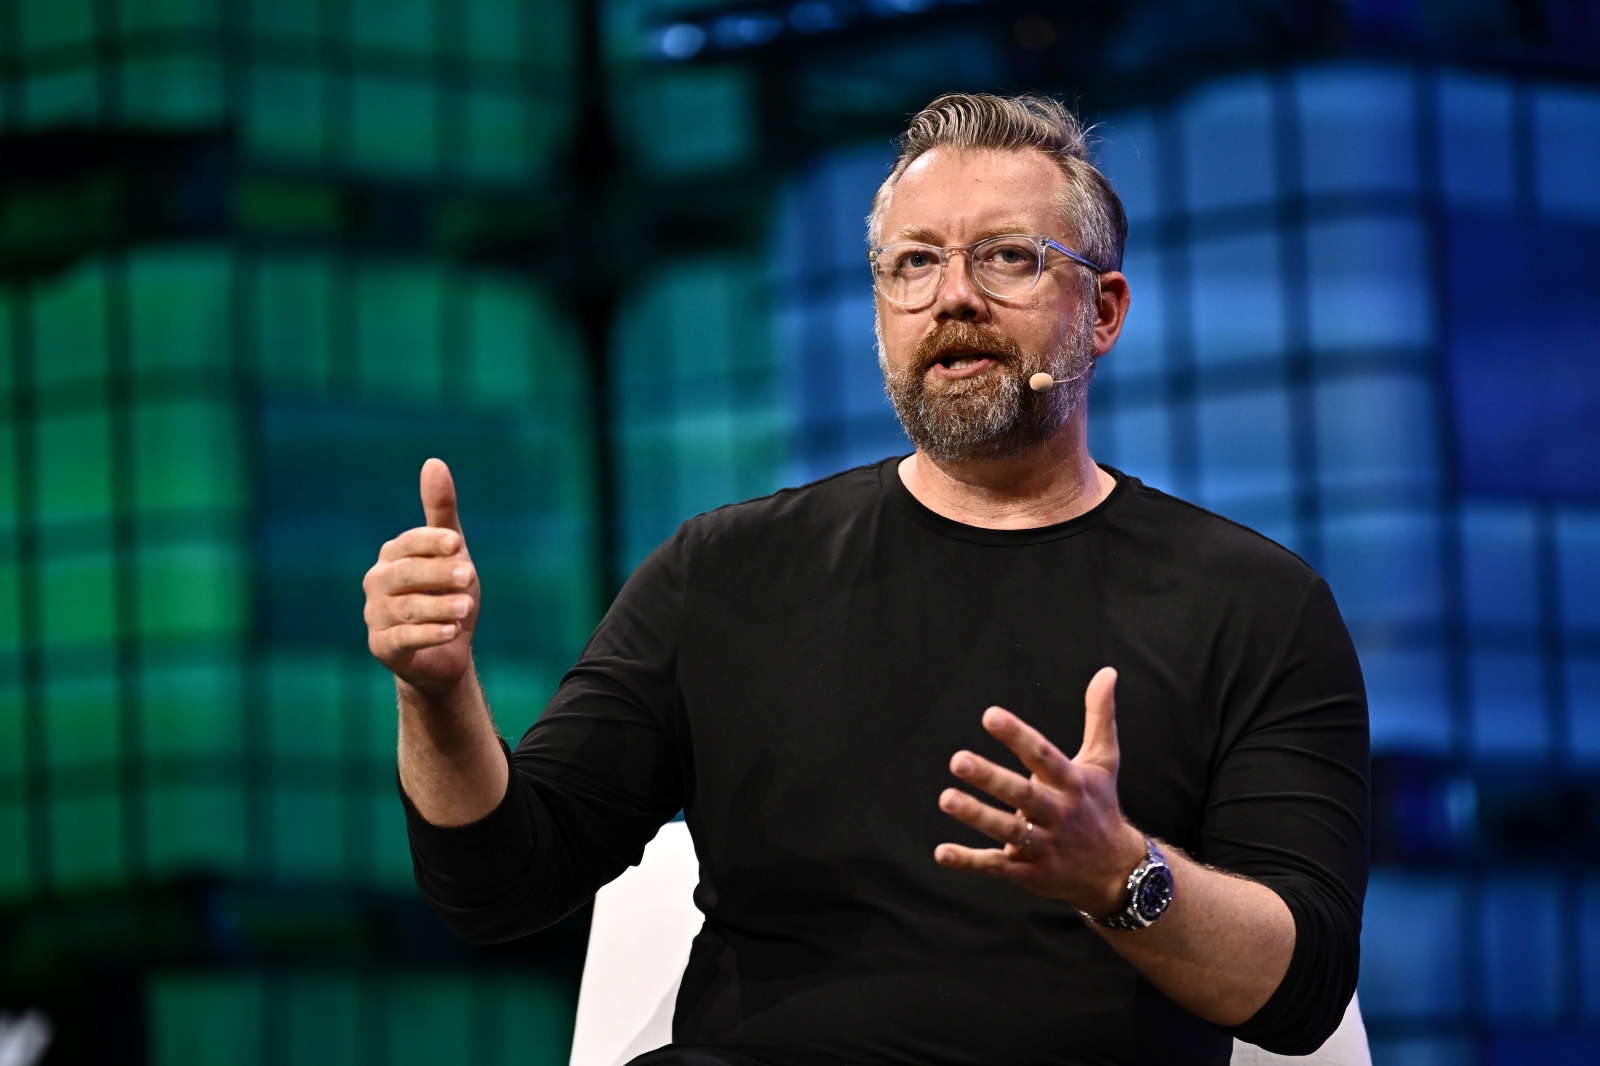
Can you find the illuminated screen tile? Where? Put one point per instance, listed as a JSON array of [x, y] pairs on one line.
[[195, 829], [1525, 384]]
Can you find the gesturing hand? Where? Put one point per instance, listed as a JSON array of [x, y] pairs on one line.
[[422, 594], [1079, 849]]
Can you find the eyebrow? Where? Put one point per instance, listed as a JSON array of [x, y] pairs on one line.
[[923, 235]]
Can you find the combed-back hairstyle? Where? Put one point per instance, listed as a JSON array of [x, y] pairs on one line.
[[1089, 206]]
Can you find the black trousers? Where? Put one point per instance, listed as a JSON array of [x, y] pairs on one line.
[[693, 1056]]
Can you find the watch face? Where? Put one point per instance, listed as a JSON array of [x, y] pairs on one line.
[[1154, 893]]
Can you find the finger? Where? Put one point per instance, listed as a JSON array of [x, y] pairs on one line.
[[1031, 746], [397, 639], [408, 610], [991, 861], [1007, 786], [423, 540], [414, 574], [439, 496], [993, 823], [1100, 722]]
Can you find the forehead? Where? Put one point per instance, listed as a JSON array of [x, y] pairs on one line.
[[961, 195]]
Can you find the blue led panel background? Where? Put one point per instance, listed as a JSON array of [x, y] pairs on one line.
[[1364, 323], [1526, 386]]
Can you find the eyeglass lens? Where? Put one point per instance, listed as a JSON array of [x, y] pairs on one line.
[[1001, 266]]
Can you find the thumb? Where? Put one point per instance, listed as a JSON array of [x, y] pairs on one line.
[[1100, 723], [439, 496]]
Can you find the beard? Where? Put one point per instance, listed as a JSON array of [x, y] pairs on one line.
[[994, 415]]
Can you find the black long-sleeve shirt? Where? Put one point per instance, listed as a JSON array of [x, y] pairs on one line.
[[795, 673]]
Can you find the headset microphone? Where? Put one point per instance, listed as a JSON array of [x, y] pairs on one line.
[[1042, 382]]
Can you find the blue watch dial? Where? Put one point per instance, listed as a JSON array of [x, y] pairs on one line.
[[1153, 894]]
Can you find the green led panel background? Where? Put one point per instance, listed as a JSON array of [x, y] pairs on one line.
[[417, 1018], [290, 249], [700, 413], [478, 90], [198, 466], [203, 442]]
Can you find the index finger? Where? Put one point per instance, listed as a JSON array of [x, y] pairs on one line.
[[1030, 745], [423, 540]]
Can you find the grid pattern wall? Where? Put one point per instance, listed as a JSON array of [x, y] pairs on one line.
[[422, 88], [1311, 351], [1289, 365], [838, 411], [332, 1018], [1501, 967], [699, 412], [183, 677]]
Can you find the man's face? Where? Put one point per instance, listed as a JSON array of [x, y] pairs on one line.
[[957, 366]]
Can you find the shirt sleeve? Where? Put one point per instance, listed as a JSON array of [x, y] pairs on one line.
[[1289, 807], [590, 784]]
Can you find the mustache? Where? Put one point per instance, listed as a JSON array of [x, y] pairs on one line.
[[964, 338]]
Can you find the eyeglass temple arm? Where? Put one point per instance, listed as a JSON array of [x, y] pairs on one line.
[[1074, 256]]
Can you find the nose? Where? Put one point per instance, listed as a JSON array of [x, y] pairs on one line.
[[960, 300]]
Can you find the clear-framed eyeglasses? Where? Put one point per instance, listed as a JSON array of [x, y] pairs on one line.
[[1007, 266]]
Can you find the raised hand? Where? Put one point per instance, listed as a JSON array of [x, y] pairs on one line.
[[1065, 837], [423, 595]]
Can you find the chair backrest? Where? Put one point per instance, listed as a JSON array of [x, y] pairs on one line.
[[639, 942], [1346, 1047]]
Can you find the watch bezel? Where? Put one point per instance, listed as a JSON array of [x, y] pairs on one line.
[[1132, 915], [1157, 873]]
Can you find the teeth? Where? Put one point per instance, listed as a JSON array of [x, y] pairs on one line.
[[962, 363]]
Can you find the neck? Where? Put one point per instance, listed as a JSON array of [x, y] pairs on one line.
[[1050, 482]]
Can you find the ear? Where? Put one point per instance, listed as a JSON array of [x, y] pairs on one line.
[[1111, 310]]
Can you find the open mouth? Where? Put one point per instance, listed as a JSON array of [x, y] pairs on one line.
[[962, 364]]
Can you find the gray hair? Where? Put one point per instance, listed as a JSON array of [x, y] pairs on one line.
[[1089, 206]]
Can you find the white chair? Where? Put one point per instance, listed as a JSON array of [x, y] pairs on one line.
[[1346, 1047], [639, 942], [638, 946]]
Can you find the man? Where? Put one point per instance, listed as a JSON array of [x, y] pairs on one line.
[[801, 673]]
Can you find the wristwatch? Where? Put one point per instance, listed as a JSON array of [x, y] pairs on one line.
[[1149, 893]]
